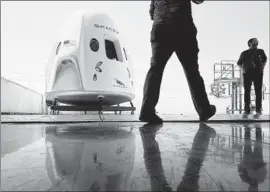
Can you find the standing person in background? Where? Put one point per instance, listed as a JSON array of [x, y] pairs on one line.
[[173, 30], [252, 62]]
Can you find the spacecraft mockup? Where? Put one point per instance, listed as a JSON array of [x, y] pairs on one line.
[[89, 64]]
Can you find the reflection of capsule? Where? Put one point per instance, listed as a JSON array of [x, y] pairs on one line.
[[90, 155]]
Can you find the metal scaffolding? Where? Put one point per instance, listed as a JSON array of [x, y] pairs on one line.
[[228, 82]]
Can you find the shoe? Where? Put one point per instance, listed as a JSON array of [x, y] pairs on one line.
[[246, 112], [258, 112], [150, 117], [211, 113]]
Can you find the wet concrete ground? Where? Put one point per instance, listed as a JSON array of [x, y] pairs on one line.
[[127, 117], [135, 157]]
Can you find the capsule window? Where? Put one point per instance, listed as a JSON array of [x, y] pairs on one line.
[[58, 48], [94, 45], [110, 50], [66, 61], [66, 42]]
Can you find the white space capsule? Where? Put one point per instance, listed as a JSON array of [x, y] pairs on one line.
[[89, 60]]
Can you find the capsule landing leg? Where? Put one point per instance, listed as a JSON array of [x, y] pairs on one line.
[[120, 112], [100, 98], [54, 110], [132, 112]]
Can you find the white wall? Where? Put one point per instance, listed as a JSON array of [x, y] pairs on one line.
[[16, 98]]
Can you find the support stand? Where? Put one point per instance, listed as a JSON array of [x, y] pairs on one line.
[[100, 107], [54, 107], [100, 98]]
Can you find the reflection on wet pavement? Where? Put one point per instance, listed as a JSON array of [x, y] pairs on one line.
[[135, 157]]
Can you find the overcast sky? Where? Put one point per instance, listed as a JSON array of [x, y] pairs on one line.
[[29, 30]]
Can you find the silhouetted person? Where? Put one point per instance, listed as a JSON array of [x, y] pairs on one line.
[[173, 30], [190, 180], [252, 62], [153, 160], [252, 169]]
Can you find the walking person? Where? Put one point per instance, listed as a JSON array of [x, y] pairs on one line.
[[252, 63], [173, 30]]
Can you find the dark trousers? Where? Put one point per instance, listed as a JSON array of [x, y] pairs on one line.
[[165, 40], [257, 78]]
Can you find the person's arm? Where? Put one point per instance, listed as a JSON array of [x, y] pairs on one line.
[[152, 9], [263, 58], [240, 61], [198, 1]]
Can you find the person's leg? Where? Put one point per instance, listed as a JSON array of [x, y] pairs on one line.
[[258, 81], [187, 52], [162, 49], [247, 86]]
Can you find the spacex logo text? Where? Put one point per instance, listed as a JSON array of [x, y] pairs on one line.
[[105, 27]]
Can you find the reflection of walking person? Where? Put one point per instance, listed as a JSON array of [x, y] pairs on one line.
[[190, 180], [252, 169], [153, 160], [173, 30], [252, 62]]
